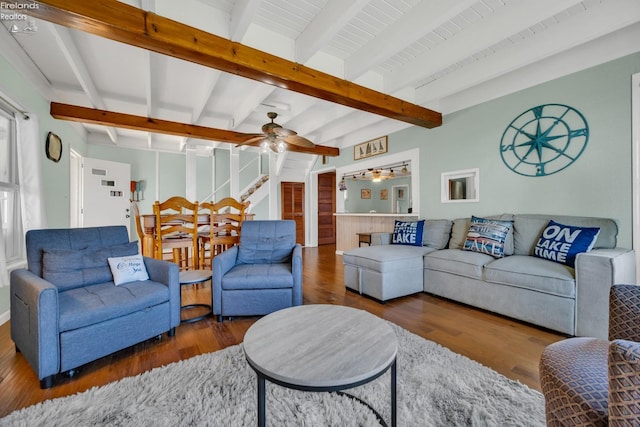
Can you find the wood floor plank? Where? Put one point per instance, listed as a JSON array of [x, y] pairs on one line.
[[505, 345]]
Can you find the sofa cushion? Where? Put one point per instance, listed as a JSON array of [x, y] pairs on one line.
[[532, 273], [457, 261], [487, 236], [436, 233], [387, 258], [561, 243], [93, 304], [528, 229], [460, 228], [258, 276], [69, 268], [407, 233], [127, 269]]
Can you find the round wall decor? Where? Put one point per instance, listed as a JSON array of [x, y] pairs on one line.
[[53, 147], [544, 140]]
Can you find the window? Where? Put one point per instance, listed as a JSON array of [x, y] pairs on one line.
[[9, 188]]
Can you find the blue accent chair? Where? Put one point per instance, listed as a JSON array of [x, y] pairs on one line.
[[66, 310], [262, 274]]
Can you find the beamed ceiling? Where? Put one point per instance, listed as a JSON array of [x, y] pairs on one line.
[[362, 68]]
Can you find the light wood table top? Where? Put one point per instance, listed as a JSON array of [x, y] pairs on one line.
[[320, 346]]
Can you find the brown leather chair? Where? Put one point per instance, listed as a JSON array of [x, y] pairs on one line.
[[596, 382]]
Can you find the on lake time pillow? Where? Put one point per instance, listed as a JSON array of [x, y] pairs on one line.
[[487, 236], [562, 243], [408, 233]]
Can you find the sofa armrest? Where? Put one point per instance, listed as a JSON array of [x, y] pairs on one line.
[[596, 272], [167, 273], [34, 321], [381, 238], [624, 375]]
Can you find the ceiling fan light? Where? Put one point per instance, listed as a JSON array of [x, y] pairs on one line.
[[264, 146], [281, 147]]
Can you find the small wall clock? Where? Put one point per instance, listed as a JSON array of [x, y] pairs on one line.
[[53, 147], [544, 140]]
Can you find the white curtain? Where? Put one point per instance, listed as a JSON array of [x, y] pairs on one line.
[[4, 272], [30, 172]]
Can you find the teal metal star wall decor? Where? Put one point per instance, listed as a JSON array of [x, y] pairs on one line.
[[544, 140]]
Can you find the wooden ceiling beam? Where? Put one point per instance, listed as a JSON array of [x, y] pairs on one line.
[[147, 124], [127, 24]]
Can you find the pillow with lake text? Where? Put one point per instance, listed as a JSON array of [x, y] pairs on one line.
[[562, 243], [487, 236], [408, 233]]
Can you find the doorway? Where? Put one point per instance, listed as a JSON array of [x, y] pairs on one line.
[[292, 195], [326, 208]]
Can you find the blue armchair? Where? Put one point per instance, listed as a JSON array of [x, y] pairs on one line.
[[66, 310], [262, 274]]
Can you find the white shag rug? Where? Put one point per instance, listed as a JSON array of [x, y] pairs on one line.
[[436, 387]]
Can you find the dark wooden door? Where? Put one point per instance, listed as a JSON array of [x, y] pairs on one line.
[[292, 194], [326, 208]]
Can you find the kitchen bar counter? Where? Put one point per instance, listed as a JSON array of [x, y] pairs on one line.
[[348, 225]]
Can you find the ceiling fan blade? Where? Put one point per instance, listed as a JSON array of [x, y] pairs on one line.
[[254, 142], [283, 132], [299, 141], [251, 136]]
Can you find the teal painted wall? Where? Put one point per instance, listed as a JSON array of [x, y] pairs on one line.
[[597, 184], [355, 203]]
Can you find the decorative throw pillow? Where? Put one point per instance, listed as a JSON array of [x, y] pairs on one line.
[[487, 236], [408, 233], [128, 269], [561, 243]]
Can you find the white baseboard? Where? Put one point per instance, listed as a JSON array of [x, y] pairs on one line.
[[4, 317]]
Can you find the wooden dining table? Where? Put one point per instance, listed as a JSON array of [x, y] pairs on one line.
[[149, 225]]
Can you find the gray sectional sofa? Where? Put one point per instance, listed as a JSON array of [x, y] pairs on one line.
[[570, 300]]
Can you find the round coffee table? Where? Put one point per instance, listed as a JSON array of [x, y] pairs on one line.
[[321, 348]]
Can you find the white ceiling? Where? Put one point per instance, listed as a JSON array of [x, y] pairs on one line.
[[444, 55]]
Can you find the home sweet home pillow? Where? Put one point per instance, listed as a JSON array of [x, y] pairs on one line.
[[562, 243], [408, 233]]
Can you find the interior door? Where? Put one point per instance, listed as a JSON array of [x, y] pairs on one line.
[[105, 193], [326, 208], [292, 194]]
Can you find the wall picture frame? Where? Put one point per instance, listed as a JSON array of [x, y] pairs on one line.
[[384, 194], [365, 193], [370, 148]]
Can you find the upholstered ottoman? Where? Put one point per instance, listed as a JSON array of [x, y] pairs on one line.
[[385, 272]]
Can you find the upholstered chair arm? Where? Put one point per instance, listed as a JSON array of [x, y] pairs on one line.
[[34, 321], [221, 264], [596, 271], [624, 313], [624, 383], [296, 270], [167, 273]]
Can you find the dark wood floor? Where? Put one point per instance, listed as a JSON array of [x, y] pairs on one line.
[[510, 347]]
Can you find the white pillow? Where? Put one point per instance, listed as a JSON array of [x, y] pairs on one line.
[[127, 269]]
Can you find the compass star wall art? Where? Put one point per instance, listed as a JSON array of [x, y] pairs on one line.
[[544, 140]]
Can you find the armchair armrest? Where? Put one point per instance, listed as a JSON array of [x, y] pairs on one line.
[[167, 273], [624, 376], [296, 271], [221, 264], [596, 271], [34, 321]]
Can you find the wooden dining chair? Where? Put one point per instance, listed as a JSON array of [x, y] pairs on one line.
[[226, 218], [176, 230]]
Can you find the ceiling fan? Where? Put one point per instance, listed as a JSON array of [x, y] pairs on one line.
[[276, 138]]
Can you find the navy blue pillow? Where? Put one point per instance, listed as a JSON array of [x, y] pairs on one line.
[[408, 233], [561, 243]]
